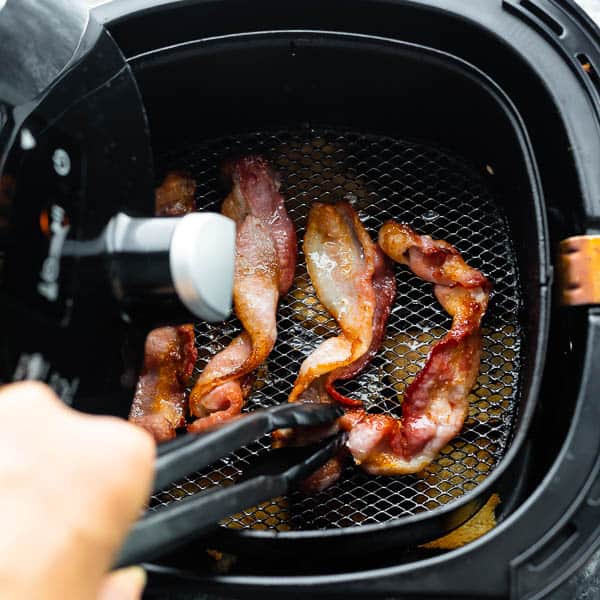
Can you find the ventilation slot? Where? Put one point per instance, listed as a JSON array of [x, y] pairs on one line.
[[589, 70], [543, 16], [554, 550]]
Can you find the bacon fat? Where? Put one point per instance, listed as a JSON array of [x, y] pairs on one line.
[[266, 250]]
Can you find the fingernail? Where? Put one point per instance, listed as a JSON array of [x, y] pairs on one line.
[[124, 584], [137, 575]]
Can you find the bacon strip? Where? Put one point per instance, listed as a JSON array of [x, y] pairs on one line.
[[175, 196], [265, 263], [384, 288], [159, 401], [255, 191], [354, 282], [435, 404], [170, 354]]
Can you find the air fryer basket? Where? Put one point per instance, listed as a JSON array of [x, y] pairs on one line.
[[308, 102], [201, 79], [384, 178]]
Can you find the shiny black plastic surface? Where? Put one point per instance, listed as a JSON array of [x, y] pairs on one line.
[[73, 156]]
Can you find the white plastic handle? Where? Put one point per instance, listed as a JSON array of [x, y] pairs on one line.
[[202, 261]]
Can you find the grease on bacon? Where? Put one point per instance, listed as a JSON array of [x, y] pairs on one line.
[[175, 196], [266, 250], [353, 280]]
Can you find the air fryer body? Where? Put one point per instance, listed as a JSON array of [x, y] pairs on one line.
[[75, 149], [532, 53]]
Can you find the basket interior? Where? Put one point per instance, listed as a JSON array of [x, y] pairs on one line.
[[437, 193]]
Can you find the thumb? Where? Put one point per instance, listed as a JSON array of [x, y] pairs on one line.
[[124, 584]]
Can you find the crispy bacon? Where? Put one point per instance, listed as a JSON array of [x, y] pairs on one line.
[[435, 404], [255, 191], [175, 196], [264, 270], [170, 354], [159, 401], [354, 282], [384, 288], [435, 261], [324, 476]]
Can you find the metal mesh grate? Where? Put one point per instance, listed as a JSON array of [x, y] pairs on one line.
[[437, 194]]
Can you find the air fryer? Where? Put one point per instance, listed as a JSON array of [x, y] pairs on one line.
[[475, 122]]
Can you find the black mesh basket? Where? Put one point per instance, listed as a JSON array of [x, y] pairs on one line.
[[383, 178]]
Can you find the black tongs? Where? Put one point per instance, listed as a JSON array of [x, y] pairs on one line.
[[162, 530]]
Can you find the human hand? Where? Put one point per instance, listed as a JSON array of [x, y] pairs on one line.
[[72, 484]]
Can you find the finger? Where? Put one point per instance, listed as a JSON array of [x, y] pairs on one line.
[[26, 396], [116, 482], [124, 584], [134, 451]]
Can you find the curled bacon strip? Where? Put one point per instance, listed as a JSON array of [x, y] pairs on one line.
[[384, 288], [435, 404], [159, 401], [265, 263], [355, 283], [169, 354]]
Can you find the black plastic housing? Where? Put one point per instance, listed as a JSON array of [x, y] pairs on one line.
[[267, 80], [526, 106], [74, 150]]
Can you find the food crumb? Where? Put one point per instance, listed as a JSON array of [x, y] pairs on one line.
[[478, 525], [216, 554]]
